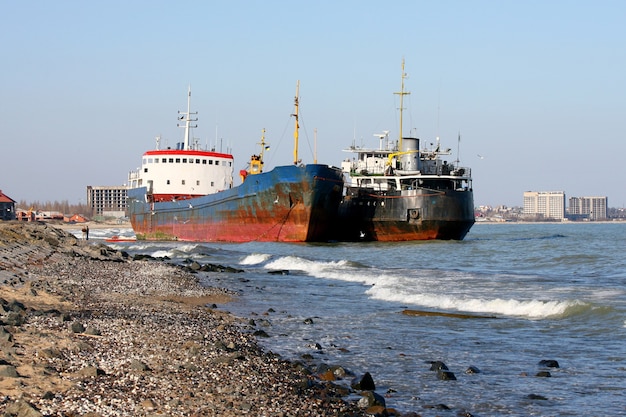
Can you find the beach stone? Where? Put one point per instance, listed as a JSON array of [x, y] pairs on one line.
[[544, 374], [16, 306], [339, 371], [438, 365], [371, 399], [47, 395], [93, 331], [5, 335], [8, 371], [364, 382], [138, 365], [445, 375], [549, 363], [13, 319], [472, 370], [77, 327], [327, 375], [21, 408], [536, 397], [50, 353], [148, 405], [264, 323], [279, 272], [91, 371]]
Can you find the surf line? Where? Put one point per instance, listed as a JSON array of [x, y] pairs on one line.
[[442, 314]]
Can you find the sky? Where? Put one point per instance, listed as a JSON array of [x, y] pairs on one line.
[[535, 89]]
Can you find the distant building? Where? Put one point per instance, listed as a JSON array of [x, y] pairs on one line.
[[7, 207], [107, 201], [592, 208], [545, 204]]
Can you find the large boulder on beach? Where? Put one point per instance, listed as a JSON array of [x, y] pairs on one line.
[[364, 382]]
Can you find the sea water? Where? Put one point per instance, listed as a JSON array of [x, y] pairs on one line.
[[504, 299]]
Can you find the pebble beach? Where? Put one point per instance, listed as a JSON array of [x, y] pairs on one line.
[[87, 331]]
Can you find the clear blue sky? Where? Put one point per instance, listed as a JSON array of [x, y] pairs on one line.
[[537, 88]]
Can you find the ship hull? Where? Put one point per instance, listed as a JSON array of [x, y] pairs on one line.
[[287, 204], [405, 216]]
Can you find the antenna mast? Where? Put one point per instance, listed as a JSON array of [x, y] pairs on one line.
[[402, 93], [187, 118], [295, 132], [458, 150]]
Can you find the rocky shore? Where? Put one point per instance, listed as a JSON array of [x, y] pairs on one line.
[[86, 331]]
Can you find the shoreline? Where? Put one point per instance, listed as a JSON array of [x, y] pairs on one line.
[[86, 331]]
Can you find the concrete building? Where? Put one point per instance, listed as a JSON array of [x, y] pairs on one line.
[[7, 207], [545, 204], [107, 200], [592, 208]]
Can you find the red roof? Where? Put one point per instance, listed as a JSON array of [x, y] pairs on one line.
[[5, 198]]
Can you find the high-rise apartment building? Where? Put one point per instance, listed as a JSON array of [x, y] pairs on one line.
[[546, 204], [593, 208]]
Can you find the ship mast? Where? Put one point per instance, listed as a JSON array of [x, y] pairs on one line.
[[263, 147], [402, 93], [187, 118], [295, 132]]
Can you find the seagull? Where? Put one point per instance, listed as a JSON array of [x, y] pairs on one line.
[[480, 156]]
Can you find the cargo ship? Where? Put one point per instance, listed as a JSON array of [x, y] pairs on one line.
[[400, 192], [187, 194]]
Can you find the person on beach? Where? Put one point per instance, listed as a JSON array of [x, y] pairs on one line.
[[85, 231]]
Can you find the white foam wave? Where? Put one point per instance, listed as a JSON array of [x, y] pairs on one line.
[[255, 259], [330, 269], [187, 248], [140, 246], [534, 309], [162, 253]]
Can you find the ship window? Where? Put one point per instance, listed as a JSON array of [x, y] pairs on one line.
[[212, 184], [190, 160], [164, 160], [210, 162], [230, 163], [197, 182], [145, 170], [217, 162], [178, 160], [204, 161], [143, 161], [184, 160], [156, 160], [183, 183], [197, 161], [171, 160], [168, 182]]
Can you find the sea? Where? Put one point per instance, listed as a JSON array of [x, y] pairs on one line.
[[493, 308]]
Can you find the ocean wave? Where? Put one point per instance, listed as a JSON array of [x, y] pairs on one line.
[[532, 309], [255, 259], [323, 269]]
